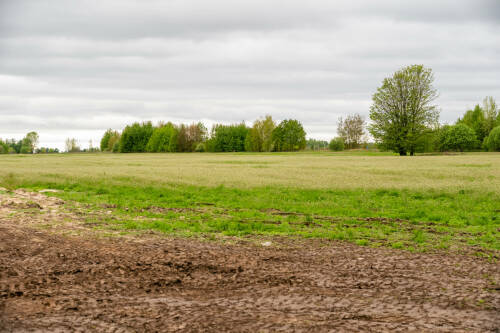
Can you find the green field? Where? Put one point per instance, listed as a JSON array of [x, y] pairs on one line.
[[421, 203]]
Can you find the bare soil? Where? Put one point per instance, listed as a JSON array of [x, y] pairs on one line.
[[54, 282]]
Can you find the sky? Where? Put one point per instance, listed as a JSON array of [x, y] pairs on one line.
[[76, 68]]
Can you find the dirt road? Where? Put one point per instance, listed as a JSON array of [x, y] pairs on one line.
[[56, 283]]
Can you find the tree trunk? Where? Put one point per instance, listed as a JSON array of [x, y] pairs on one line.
[[402, 152]]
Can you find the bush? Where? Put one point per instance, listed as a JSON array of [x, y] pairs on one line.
[[336, 144], [459, 137], [492, 141]]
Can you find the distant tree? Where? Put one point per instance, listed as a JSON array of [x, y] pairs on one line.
[[459, 137], [105, 139], [135, 137], [336, 144], [196, 133], [475, 120], [45, 150], [482, 119], [351, 130], [183, 144], [162, 137], [4, 147], [109, 139], [189, 136], [259, 137], [492, 141], [491, 114], [429, 141], [14, 146], [313, 144], [72, 145], [200, 147], [228, 138], [402, 109], [29, 143], [289, 135]]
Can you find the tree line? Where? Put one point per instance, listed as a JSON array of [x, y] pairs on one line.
[[403, 119], [27, 145], [265, 135]]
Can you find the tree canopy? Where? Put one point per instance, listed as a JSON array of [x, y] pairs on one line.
[[351, 130], [402, 109], [289, 135]]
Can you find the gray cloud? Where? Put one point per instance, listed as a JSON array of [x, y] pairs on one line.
[[77, 68]]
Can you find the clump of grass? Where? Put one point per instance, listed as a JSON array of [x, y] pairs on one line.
[[9, 181], [419, 236]]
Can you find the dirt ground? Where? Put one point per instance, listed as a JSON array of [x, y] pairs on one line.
[[54, 282]]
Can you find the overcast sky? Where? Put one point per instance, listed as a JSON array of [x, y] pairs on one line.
[[75, 68]]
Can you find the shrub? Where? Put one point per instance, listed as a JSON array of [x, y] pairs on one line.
[[492, 141], [459, 137], [336, 144]]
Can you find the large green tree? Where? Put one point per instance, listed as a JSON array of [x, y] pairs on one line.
[[402, 109], [492, 141], [29, 143], [289, 135], [459, 137], [109, 139], [259, 137], [227, 138], [135, 137], [476, 121], [162, 137]]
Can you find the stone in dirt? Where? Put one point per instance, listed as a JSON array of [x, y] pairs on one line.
[[48, 190]]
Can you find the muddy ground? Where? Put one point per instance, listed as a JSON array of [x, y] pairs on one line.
[[54, 282]]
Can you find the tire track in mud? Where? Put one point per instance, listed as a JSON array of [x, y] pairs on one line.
[[50, 282]]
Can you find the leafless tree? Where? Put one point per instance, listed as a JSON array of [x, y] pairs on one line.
[[351, 130]]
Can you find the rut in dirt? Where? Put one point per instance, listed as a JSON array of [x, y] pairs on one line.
[[51, 282]]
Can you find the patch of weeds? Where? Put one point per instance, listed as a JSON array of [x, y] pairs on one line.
[[9, 181], [362, 242], [419, 236], [397, 245]]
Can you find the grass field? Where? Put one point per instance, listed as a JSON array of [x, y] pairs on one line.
[[416, 203]]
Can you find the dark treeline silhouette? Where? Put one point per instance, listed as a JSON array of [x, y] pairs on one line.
[[264, 135]]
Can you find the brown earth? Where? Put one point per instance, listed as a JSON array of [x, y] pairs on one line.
[[51, 282]]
